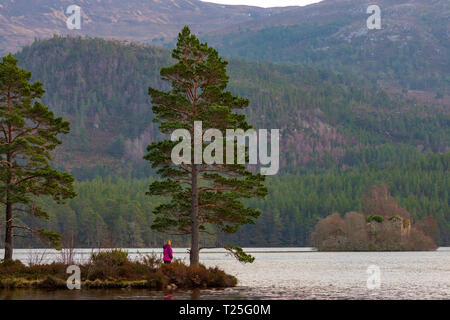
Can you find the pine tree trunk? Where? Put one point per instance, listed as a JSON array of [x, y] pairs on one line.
[[9, 233], [9, 221], [8, 214], [195, 234]]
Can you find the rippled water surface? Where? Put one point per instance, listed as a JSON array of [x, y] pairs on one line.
[[285, 273]]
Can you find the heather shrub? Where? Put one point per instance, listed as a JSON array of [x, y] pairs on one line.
[[152, 262], [196, 277], [51, 282], [157, 280], [218, 278], [114, 257], [11, 266], [132, 270], [15, 268], [106, 264]]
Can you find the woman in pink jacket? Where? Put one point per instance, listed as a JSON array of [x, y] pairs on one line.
[[168, 253]]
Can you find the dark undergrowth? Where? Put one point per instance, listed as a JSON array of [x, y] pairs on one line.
[[113, 269]]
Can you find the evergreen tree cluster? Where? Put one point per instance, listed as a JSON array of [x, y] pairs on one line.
[[115, 211]]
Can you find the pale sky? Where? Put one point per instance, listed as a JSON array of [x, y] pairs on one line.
[[266, 3]]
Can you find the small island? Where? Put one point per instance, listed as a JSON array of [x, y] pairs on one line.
[[112, 269], [383, 226]]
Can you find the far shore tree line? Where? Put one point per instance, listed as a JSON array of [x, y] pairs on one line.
[[382, 226]]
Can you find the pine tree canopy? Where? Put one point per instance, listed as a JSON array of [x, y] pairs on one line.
[[204, 196], [28, 133]]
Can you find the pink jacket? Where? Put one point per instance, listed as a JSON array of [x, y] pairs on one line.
[[168, 254]]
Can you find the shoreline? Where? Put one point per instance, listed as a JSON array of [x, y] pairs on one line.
[[113, 269]]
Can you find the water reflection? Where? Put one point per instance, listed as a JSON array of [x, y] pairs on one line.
[[297, 273], [114, 294]]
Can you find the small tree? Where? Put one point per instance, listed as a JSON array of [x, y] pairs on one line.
[[28, 133], [378, 201], [429, 227], [329, 233], [200, 194]]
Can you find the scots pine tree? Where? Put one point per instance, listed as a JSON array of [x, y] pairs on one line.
[[201, 197], [28, 133]]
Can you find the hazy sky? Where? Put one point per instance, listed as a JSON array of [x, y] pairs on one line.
[[266, 3]]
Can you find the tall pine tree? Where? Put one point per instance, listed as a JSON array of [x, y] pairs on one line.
[[28, 133], [201, 195]]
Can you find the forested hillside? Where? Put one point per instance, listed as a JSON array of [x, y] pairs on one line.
[[410, 50], [325, 118], [116, 212], [340, 134]]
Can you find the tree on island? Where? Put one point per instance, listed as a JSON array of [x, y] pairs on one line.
[[28, 133], [203, 197]]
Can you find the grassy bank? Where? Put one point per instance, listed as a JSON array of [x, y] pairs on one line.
[[113, 269]]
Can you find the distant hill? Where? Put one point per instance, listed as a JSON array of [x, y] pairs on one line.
[[150, 21], [411, 50], [326, 118]]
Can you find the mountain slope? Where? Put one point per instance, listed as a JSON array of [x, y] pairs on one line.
[[411, 50], [325, 118], [21, 21]]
